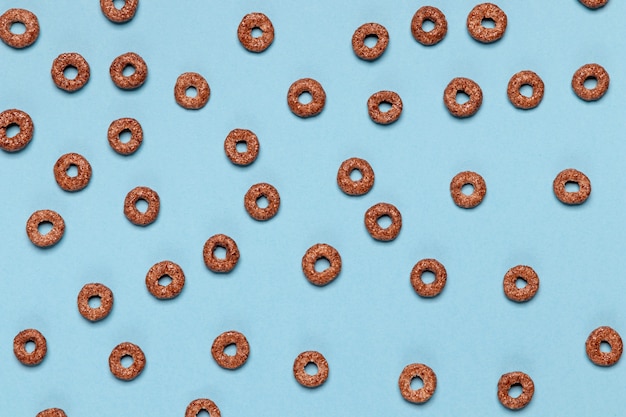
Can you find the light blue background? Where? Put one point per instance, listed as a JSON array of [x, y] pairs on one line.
[[369, 323]]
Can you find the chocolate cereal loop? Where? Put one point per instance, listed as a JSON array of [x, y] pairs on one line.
[[384, 117], [202, 404], [468, 178], [19, 347], [70, 60], [134, 80], [315, 253], [115, 361], [358, 41], [528, 275], [515, 84], [165, 269], [431, 14], [22, 120], [65, 181], [125, 124], [466, 86], [51, 412], [487, 11], [355, 187], [612, 338], [594, 4], [25, 17], [216, 264], [226, 339], [515, 378], [255, 21], [590, 72], [246, 137], [571, 175], [126, 13], [374, 213], [256, 192], [318, 97], [431, 289], [96, 290], [132, 212], [50, 238], [423, 372], [189, 80], [300, 373]]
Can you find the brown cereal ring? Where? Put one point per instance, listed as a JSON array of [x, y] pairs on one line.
[[216, 264], [95, 290], [25, 17], [241, 136], [358, 41], [202, 404], [299, 371], [433, 15], [230, 338], [19, 347], [115, 361], [50, 238], [467, 86], [477, 195], [517, 98], [67, 60], [136, 79], [122, 125], [255, 21], [389, 116], [595, 339], [254, 193], [52, 412], [191, 80], [23, 137], [587, 72], [358, 187], [594, 4], [525, 273], [133, 214], [376, 212], [315, 253], [318, 97], [163, 269], [423, 372], [515, 378], [126, 13], [486, 11], [574, 176], [434, 288], [61, 176]]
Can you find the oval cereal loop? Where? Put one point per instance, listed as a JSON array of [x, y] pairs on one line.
[[99, 291], [431, 289], [374, 30], [125, 124], [246, 137], [515, 378], [468, 178], [468, 87], [596, 338], [115, 361], [134, 80], [131, 211], [591, 72], [253, 21], [72, 183], [528, 291], [70, 60], [19, 347], [571, 175], [431, 14], [256, 192], [315, 253], [486, 11], [304, 378], [228, 338], [192, 80], [384, 117], [165, 269], [355, 187], [25, 17], [15, 117], [423, 372], [374, 213], [53, 236], [126, 13], [216, 264], [318, 97], [525, 78]]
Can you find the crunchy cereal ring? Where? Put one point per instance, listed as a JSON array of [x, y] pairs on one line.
[[376, 212], [19, 347], [255, 21], [23, 121], [132, 212], [126, 13], [467, 86], [423, 372], [220, 343], [241, 136], [574, 176], [486, 11], [477, 195], [25, 17], [515, 378], [433, 15], [81, 179], [358, 41], [50, 238], [517, 98], [216, 264], [595, 339], [590, 72], [189, 80], [384, 117], [67, 60], [434, 288], [299, 371], [121, 125], [306, 85], [358, 187], [115, 361], [136, 79], [525, 273], [95, 290], [160, 270]]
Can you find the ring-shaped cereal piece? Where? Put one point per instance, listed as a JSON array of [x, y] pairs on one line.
[[433, 288], [262, 190], [607, 335], [23, 121], [136, 79], [423, 372], [202, 404], [255, 21], [247, 137], [51, 412], [191, 80], [594, 4], [165, 269], [573, 176], [358, 41], [19, 347], [132, 212], [528, 275], [77, 182], [115, 361], [434, 15], [300, 373], [67, 60], [360, 186], [126, 13], [591, 72], [318, 97], [315, 253], [125, 124], [374, 213], [384, 117], [515, 84], [50, 238], [505, 383], [25, 17], [216, 264], [466, 86], [486, 11], [478, 193], [95, 290], [228, 338]]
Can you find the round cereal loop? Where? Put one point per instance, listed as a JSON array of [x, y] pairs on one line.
[[456, 189], [202, 404], [65, 181], [216, 264], [189, 80], [126, 13], [25, 124], [423, 372], [384, 117], [572, 176], [255, 21], [607, 335], [115, 361], [132, 212], [246, 137], [594, 4], [466, 86], [50, 238], [315, 253], [226, 339], [52, 412], [125, 124], [90, 291], [528, 275], [70, 60], [25, 17], [358, 41], [254, 193], [434, 288], [355, 187], [374, 213], [136, 79], [487, 11], [515, 378], [434, 15], [318, 97], [300, 373], [19, 347], [165, 269], [515, 84], [590, 72]]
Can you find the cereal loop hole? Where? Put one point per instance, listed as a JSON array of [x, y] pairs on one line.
[[520, 282], [30, 346], [384, 106], [119, 4], [230, 350], [142, 205], [219, 252], [572, 187], [241, 146], [305, 97], [12, 130], [165, 280], [262, 202], [70, 72], [384, 221], [590, 83], [370, 41], [94, 302], [44, 227], [515, 390], [428, 25], [526, 90], [488, 23], [128, 70], [605, 347], [428, 277], [256, 32], [311, 368], [127, 361], [462, 97], [18, 28], [467, 189], [191, 92], [322, 264], [125, 136], [72, 171], [356, 175], [417, 383]]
